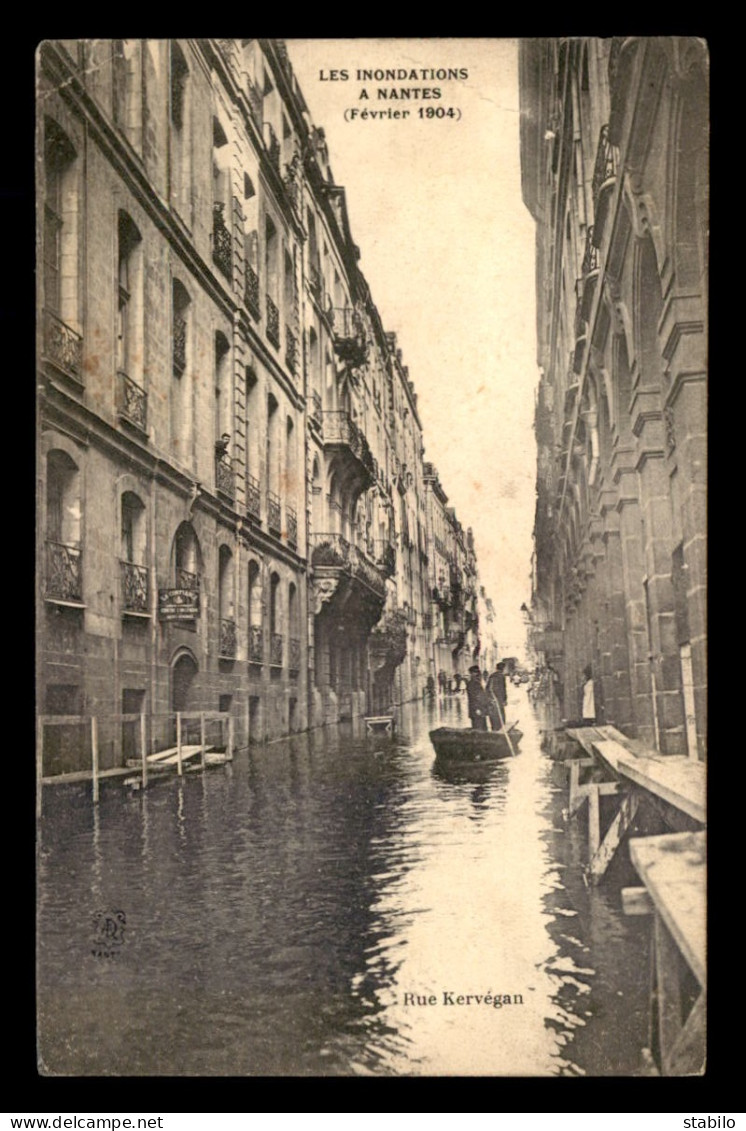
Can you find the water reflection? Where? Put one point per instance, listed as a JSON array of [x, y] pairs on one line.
[[289, 913]]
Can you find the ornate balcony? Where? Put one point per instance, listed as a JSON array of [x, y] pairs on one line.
[[316, 410], [64, 576], [350, 343], [222, 241], [63, 347], [590, 270], [274, 513], [604, 179], [224, 477], [294, 654], [342, 434], [256, 644], [133, 402], [335, 552], [255, 101], [251, 291], [370, 574], [135, 588], [273, 323], [315, 282], [291, 350], [331, 550], [291, 519], [227, 645], [253, 498], [387, 559], [275, 650]]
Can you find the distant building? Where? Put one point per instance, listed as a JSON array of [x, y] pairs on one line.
[[614, 151], [232, 510]]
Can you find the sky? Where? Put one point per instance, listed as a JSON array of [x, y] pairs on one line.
[[447, 247]]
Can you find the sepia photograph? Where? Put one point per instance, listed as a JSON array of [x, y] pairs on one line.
[[371, 546]]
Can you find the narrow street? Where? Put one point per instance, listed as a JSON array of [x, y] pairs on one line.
[[289, 913]]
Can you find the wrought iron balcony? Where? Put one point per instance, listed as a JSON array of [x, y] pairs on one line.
[[273, 323], [331, 550], [590, 270], [251, 291], [227, 646], [273, 146], [274, 513], [224, 477], [133, 402], [275, 650], [350, 342], [387, 559], [135, 588], [364, 569], [291, 350], [315, 282], [291, 518], [63, 346], [256, 644], [179, 344], [316, 411], [222, 241], [64, 576], [340, 429], [294, 654], [253, 497]]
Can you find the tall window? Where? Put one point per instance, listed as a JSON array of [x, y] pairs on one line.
[[63, 556], [129, 299], [127, 92], [132, 555], [181, 393], [60, 225], [180, 128]]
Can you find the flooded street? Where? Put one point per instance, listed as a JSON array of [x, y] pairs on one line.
[[288, 914]]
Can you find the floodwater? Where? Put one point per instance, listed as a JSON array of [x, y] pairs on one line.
[[319, 907]]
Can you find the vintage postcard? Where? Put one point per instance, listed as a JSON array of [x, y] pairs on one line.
[[371, 545]]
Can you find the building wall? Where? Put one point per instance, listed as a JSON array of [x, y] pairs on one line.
[[614, 159], [217, 397]]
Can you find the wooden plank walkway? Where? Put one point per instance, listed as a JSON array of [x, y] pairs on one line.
[[677, 780]]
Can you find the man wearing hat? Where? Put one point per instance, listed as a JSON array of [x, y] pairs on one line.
[[477, 698]]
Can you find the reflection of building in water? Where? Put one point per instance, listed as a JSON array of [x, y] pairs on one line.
[[232, 505], [614, 159]]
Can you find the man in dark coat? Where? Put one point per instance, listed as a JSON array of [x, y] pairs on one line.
[[477, 698], [497, 692]]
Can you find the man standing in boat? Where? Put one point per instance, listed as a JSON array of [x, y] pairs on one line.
[[497, 693], [478, 699]]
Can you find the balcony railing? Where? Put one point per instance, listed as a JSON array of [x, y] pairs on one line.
[[135, 588], [273, 323], [387, 559], [253, 497], [274, 513], [275, 650], [294, 654], [350, 342], [63, 346], [340, 428], [590, 258], [363, 568], [315, 281], [291, 519], [256, 644], [291, 350], [330, 550], [604, 178], [222, 241], [251, 292], [133, 402], [316, 410], [179, 344], [64, 578], [224, 477], [255, 101], [227, 646]]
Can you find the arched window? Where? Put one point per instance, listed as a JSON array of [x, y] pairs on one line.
[[130, 321], [256, 641], [62, 342], [186, 557], [222, 240], [274, 455], [181, 415], [272, 276], [227, 623], [251, 246], [132, 555], [275, 623], [64, 579]]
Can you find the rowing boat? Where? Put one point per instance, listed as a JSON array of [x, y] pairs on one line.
[[462, 744]]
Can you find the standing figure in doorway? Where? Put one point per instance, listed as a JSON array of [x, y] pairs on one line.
[[589, 698]]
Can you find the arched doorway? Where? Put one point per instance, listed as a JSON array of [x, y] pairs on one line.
[[183, 672]]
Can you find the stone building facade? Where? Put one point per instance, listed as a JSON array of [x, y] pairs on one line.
[[614, 152], [231, 498]]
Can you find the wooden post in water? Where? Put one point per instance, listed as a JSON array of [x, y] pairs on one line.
[[178, 742], [94, 757], [143, 751], [39, 762], [231, 738], [202, 736]]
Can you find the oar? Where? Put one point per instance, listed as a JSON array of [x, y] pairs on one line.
[[502, 722]]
